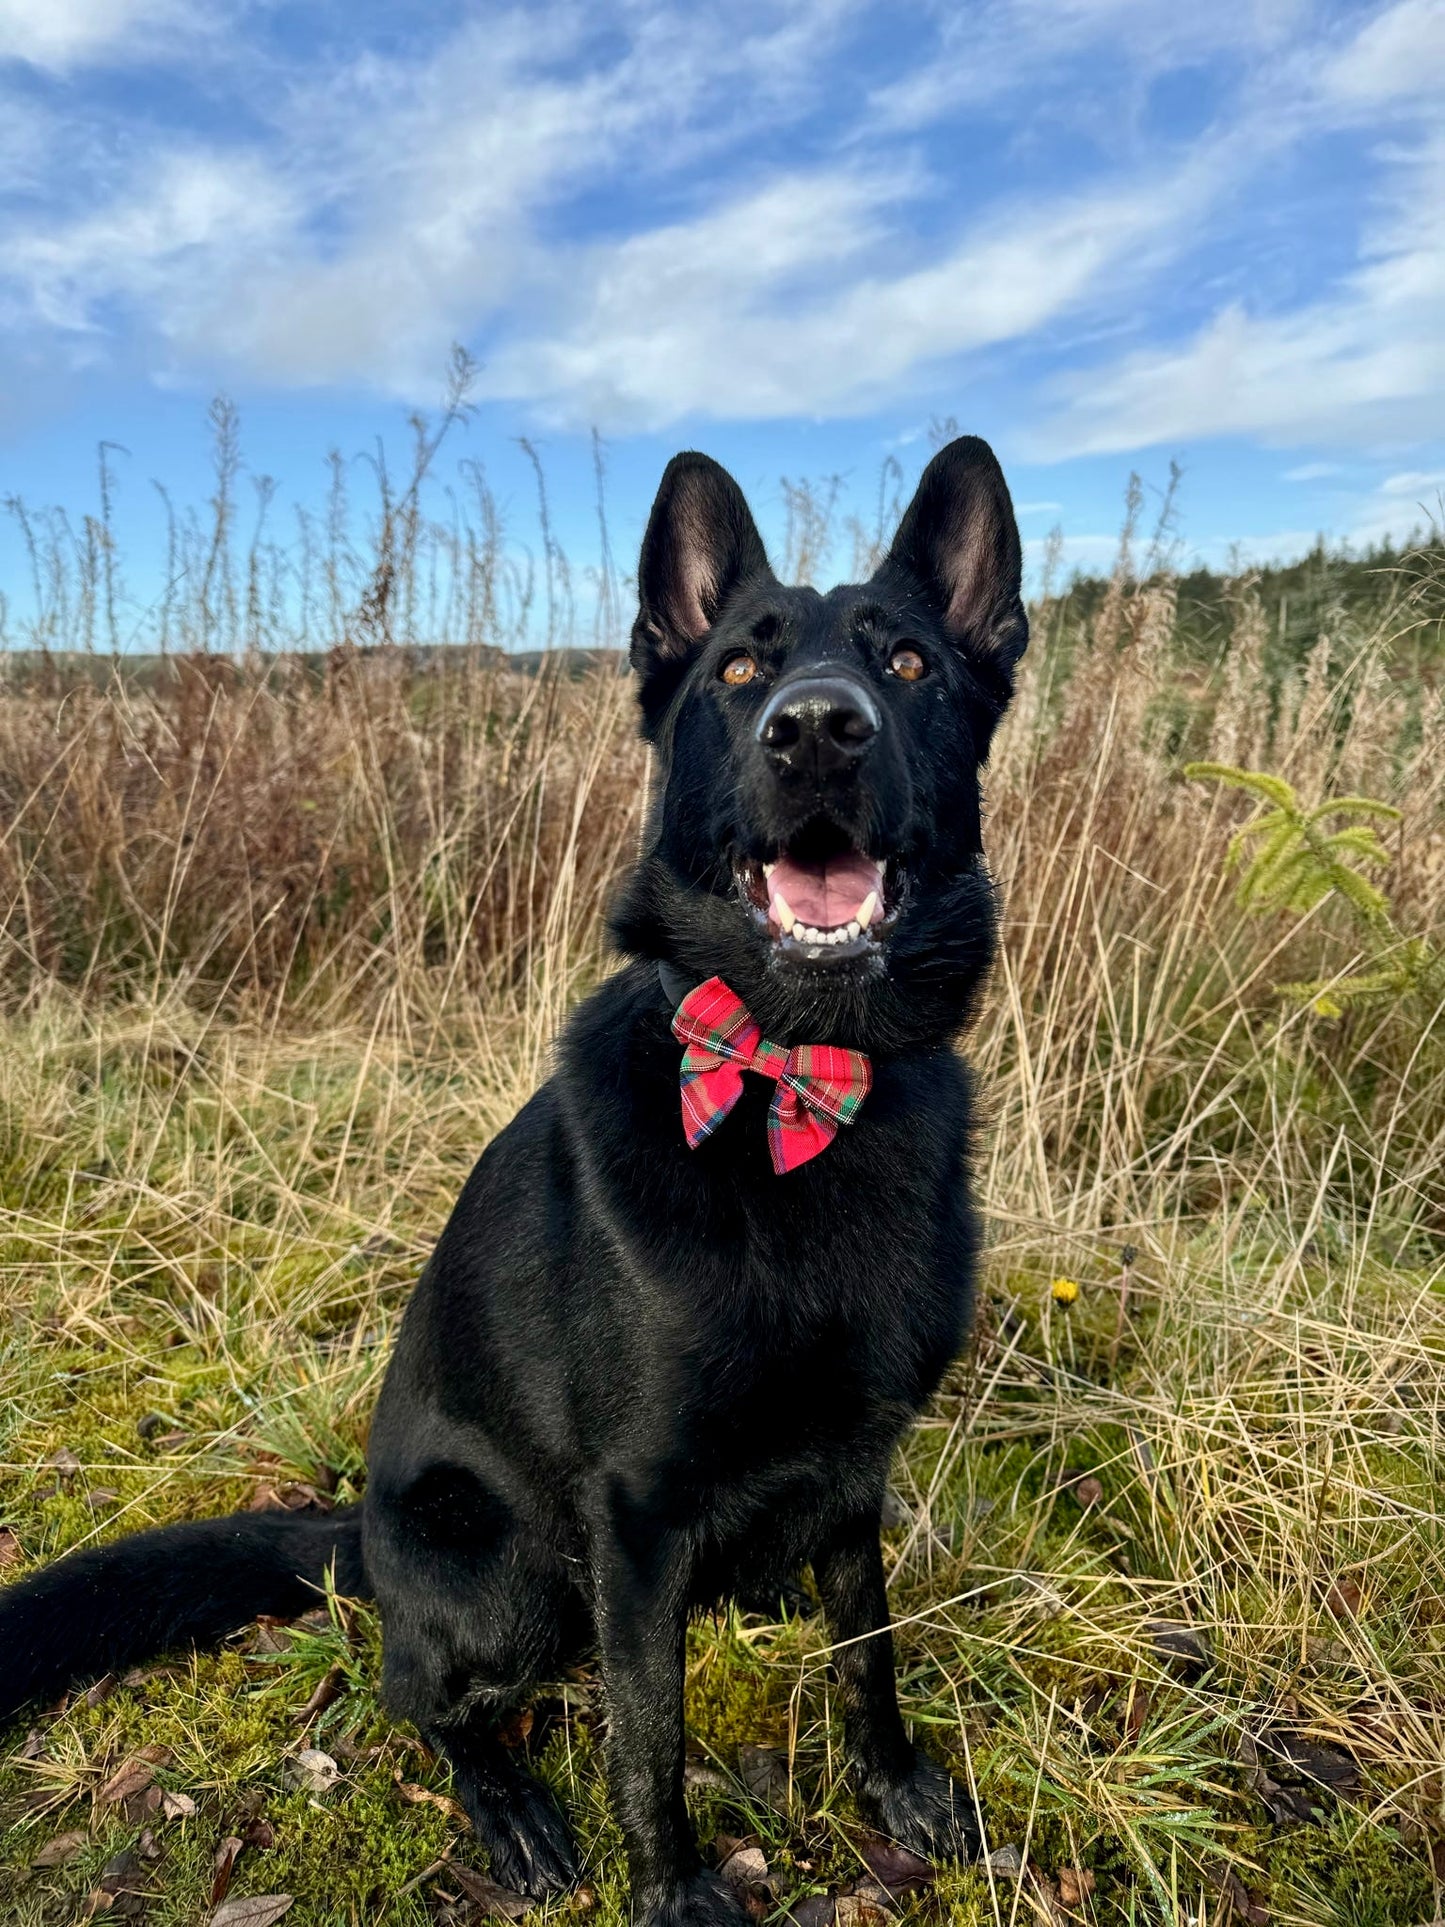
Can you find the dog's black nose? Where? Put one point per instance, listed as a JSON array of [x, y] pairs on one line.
[[823, 723]]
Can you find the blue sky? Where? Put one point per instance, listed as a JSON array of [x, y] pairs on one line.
[[1104, 233]]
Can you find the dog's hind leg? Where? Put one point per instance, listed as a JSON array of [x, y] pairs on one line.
[[476, 1611]]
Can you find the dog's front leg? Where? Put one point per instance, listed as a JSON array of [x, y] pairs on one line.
[[641, 1577], [900, 1790]]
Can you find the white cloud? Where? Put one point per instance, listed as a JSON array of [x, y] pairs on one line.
[[399, 202], [1362, 364], [722, 316], [1000, 47], [1415, 482], [1398, 55], [61, 34], [1313, 472]]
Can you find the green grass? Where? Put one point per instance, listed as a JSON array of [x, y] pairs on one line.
[[279, 955], [229, 1248]]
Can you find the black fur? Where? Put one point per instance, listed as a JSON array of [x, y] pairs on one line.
[[634, 1378]]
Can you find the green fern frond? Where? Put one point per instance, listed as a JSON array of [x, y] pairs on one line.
[[1287, 861], [1273, 789], [1354, 806]]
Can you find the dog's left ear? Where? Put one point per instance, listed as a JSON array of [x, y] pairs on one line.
[[959, 539], [701, 542]]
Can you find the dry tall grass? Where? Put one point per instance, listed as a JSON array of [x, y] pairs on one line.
[[281, 950]]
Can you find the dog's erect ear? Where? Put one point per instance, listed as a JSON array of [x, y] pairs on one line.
[[959, 539], [701, 542]]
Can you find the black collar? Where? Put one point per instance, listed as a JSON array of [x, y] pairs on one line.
[[675, 986]]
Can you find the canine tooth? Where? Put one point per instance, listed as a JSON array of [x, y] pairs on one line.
[[866, 909], [768, 869], [855, 929], [785, 915]]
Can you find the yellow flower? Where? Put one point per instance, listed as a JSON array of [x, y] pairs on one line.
[[1065, 1290]]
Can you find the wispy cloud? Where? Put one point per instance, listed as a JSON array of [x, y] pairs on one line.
[[640, 215], [1363, 363], [59, 35]]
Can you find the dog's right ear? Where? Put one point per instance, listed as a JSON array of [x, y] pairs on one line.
[[701, 543]]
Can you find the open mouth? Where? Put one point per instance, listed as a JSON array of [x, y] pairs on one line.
[[820, 908]]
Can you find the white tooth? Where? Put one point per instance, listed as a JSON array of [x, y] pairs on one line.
[[840, 935], [768, 869], [866, 909], [855, 929], [810, 935], [785, 915]]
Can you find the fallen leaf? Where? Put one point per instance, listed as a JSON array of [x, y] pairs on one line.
[[269, 1636], [259, 1833], [742, 1863], [1088, 1491], [102, 1690], [1136, 1715], [498, 1902], [134, 1776], [328, 1689], [101, 1497], [1173, 1640], [223, 1865], [64, 1462], [764, 1772], [1240, 1903], [813, 1910], [123, 1881], [896, 1869], [177, 1806], [701, 1773], [311, 1770], [1343, 1599], [518, 1729], [1007, 1863], [147, 1846], [149, 1423], [63, 1847], [255, 1910], [421, 1796], [1075, 1885], [11, 1550], [142, 1806], [857, 1910]]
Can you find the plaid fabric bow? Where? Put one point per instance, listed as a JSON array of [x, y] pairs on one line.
[[819, 1085]]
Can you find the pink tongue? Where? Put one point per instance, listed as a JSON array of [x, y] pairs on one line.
[[823, 894]]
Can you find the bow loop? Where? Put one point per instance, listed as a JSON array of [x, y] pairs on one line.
[[819, 1086]]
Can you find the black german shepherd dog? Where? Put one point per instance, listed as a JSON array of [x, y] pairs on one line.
[[647, 1369]]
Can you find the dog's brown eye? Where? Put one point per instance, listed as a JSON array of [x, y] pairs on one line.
[[908, 665], [739, 669]]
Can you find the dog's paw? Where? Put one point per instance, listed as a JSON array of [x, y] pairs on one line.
[[529, 1843], [926, 1811], [703, 1901]]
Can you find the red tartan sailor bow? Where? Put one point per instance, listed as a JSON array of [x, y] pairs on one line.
[[819, 1085]]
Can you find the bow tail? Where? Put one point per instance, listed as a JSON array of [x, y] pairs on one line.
[[796, 1132], [711, 1085]]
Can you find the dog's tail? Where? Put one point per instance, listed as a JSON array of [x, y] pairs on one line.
[[114, 1606]]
